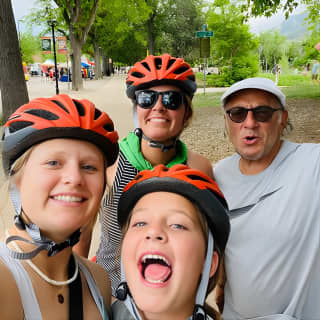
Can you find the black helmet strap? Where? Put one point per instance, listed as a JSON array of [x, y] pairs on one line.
[[155, 144]]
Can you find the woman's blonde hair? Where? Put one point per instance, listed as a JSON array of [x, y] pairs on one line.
[[6, 206]]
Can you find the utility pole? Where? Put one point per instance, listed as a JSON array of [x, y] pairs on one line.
[[52, 24]]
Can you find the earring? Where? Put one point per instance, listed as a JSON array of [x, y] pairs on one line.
[[122, 291]]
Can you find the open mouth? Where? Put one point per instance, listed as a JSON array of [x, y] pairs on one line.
[[250, 139], [155, 268]]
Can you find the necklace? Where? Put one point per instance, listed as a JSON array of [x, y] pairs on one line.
[[43, 276]]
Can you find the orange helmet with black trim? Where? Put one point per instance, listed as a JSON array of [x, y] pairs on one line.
[[158, 70], [190, 183], [57, 117]]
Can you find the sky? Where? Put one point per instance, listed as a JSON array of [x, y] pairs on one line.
[[22, 7]]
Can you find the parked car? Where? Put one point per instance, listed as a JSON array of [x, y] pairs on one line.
[[35, 69]]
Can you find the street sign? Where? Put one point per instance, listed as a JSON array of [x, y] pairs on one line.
[[204, 47], [204, 34]]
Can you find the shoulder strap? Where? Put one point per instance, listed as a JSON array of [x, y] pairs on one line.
[[95, 293], [29, 301]]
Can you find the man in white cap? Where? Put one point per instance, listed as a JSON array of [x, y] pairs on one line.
[[272, 187]]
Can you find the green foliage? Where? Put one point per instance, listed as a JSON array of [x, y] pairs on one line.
[[177, 23], [233, 45], [242, 67], [268, 8], [272, 45], [30, 45]]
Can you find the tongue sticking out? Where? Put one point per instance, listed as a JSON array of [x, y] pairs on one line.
[[157, 272]]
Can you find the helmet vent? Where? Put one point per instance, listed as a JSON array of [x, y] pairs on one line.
[[109, 127], [18, 125], [193, 177], [42, 114], [181, 70], [79, 107], [138, 177], [58, 103], [97, 114], [170, 63], [146, 65], [158, 63], [137, 74]]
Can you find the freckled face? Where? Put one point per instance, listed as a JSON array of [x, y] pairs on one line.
[[163, 246], [61, 185]]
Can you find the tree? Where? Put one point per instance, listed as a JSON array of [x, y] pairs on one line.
[[272, 44], [12, 82], [180, 21], [30, 45], [268, 8], [119, 25], [233, 47], [79, 16], [75, 15]]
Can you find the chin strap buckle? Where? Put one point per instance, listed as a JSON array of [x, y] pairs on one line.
[[122, 291], [54, 248], [199, 313]]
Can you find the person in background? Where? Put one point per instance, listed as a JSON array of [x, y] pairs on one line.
[[55, 152], [315, 70], [161, 89], [175, 226], [272, 187]]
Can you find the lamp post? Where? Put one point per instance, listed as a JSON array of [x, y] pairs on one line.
[[52, 24]]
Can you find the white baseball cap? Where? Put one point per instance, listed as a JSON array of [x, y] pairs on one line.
[[255, 83]]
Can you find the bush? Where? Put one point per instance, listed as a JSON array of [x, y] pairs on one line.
[[242, 67]]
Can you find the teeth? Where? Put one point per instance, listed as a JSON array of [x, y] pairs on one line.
[[154, 256], [158, 120], [155, 281], [67, 198]]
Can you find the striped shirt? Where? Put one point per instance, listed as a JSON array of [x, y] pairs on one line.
[[108, 254]]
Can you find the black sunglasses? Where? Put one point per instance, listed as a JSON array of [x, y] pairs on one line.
[[172, 100], [260, 113]]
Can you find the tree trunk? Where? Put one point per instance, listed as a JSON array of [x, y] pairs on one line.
[[151, 36], [97, 60], [104, 64], [76, 63], [12, 82]]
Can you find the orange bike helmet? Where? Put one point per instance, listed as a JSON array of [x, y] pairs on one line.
[[158, 70], [192, 184], [57, 117]]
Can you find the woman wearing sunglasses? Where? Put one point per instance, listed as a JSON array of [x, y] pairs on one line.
[[161, 89]]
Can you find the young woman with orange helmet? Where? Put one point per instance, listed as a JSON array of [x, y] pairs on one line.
[[55, 153], [161, 89]]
